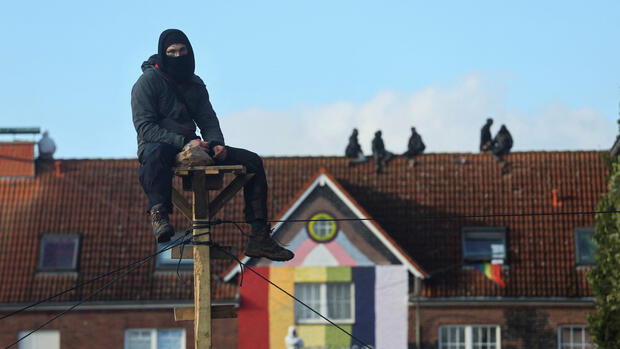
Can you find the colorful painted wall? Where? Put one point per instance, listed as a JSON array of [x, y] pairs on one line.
[[380, 307]]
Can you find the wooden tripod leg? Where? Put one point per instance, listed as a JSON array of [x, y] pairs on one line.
[[202, 266]]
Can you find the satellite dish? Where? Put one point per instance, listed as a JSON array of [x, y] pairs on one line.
[[47, 147]]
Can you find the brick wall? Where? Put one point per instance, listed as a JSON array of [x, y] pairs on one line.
[[431, 317], [105, 329]]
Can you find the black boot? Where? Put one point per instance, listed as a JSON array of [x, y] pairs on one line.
[[161, 226], [261, 244]]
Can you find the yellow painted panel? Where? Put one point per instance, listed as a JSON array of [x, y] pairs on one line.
[[311, 274], [281, 307], [313, 335]]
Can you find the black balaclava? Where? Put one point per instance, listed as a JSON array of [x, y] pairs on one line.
[[181, 68]]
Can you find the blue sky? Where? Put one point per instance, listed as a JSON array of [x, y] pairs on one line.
[[293, 77]]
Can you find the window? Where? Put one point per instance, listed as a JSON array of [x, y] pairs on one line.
[[322, 227], [150, 338], [574, 337], [469, 337], [483, 244], [584, 245], [334, 299], [59, 252], [42, 339], [165, 260]]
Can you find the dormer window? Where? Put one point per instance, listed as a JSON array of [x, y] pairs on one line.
[[165, 261], [584, 245], [59, 252], [484, 244]]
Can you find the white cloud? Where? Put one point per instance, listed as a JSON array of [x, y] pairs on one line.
[[448, 117]]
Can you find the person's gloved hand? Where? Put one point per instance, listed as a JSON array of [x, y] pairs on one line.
[[219, 152], [199, 143]]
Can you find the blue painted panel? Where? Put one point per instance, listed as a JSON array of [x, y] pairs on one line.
[[364, 327]]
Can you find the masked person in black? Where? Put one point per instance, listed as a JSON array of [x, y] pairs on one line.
[[382, 156], [501, 144], [354, 150], [168, 101], [414, 147], [485, 136]]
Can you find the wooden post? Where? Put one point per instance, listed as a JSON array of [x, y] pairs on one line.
[[205, 178], [202, 266]]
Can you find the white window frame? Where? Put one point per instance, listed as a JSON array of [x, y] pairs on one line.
[[34, 340], [323, 305], [469, 337], [153, 332], [571, 345]]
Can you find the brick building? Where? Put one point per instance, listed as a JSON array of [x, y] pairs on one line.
[[63, 222]]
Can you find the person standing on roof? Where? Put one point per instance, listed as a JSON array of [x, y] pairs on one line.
[[414, 147], [382, 156], [167, 102], [485, 136]]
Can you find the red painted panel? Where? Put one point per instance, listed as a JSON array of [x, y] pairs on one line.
[[253, 314]]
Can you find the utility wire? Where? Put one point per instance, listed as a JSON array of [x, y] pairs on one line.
[[529, 214], [85, 283], [245, 266], [134, 267]]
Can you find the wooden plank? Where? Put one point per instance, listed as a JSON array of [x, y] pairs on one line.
[[228, 193], [181, 204], [184, 170], [216, 253], [217, 312], [202, 264]]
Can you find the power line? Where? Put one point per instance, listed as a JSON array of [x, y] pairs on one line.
[[84, 283], [529, 214], [136, 266], [245, 266]]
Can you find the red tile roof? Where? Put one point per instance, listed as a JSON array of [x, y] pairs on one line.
[[16, 159], [103, 201]]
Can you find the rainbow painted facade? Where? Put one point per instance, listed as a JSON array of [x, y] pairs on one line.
[[348, 270]]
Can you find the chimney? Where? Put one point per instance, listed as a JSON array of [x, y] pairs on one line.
[[17, 156]]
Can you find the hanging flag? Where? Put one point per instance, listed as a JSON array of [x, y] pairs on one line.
[[492, 271]]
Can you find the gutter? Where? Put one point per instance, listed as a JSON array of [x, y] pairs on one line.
[[502, 301], [150, 305]]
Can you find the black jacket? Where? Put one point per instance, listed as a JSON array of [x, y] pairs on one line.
[[167, 112]]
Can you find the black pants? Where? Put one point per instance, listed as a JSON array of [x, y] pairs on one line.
[[155, 173]]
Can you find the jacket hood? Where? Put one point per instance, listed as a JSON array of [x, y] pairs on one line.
[[149, 63]]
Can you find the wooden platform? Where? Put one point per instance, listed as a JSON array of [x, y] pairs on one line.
[[209, 170], [200, 180]]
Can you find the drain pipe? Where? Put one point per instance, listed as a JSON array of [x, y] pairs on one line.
[[416, 290]]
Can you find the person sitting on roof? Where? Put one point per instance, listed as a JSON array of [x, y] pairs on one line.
[[354, 150], [415, 147], [167, 102], [382, 156], [485, 136], [501, 144]]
